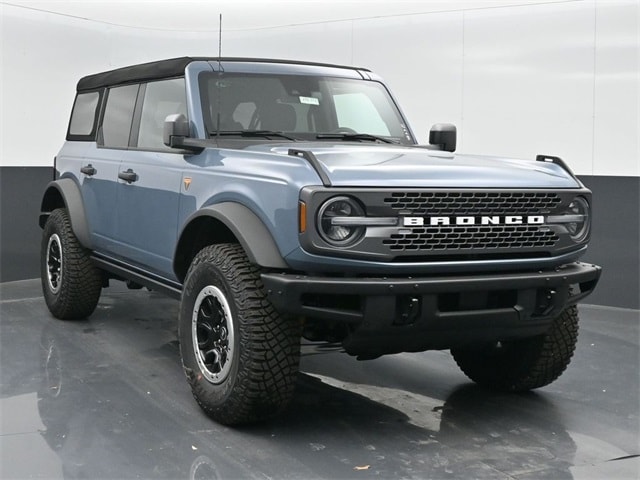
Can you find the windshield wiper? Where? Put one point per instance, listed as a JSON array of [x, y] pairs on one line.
[[354, 136], [252, 133]]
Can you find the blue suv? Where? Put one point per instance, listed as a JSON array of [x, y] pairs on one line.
[[280, 200]]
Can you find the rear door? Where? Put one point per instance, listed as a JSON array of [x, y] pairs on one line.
[[99, 168]]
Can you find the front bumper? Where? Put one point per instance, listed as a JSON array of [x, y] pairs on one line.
[[393, 314]]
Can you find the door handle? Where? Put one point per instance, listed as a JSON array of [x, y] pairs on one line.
[[89, 170], [129, 176]]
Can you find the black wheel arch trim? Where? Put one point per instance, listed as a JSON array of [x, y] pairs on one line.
[[254, 237], [72, 198]]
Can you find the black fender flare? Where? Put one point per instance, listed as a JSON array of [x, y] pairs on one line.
[[72, 198], [254, 237]]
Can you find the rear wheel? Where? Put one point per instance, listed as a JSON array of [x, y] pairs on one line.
[[240, 356], [71, 283], [521, 365]]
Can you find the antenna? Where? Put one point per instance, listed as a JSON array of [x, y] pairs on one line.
[[219, 38], [219, 77]]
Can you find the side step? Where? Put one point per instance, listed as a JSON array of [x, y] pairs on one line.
[[146, 279]]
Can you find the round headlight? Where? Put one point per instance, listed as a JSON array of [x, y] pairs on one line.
[[333, 221], [578, 229]]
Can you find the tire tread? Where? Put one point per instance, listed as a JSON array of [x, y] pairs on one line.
[[81, 281], [529, 363], [269, 343]]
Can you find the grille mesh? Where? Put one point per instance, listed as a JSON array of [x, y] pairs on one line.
[[472, 203], [471, 237]]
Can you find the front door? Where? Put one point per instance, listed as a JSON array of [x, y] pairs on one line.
[[150, 179]]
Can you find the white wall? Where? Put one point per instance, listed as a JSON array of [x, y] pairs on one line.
[[558, 78]]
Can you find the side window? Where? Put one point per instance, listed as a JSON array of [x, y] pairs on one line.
[[161, 98], [118, 115], [357, 111], [83, 116]]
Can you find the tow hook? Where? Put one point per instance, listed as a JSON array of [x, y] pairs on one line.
[[407, 310]]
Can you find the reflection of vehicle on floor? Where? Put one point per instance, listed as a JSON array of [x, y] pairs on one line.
[[51, 389], [97, 434], [471, 432], [280, 199], [525, 434], [87, 425]]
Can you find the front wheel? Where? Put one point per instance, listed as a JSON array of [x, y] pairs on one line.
[[240, 356], [521, 365]]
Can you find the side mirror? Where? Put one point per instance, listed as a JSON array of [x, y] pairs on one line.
[[176, 130], [443, 136]]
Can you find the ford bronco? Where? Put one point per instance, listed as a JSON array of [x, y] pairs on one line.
[[280, 200]]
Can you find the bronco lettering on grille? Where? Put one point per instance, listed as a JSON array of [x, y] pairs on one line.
[[482, 220]]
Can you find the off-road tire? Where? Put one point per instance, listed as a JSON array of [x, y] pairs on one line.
[[72, 286], [522, 365], [259, 380]]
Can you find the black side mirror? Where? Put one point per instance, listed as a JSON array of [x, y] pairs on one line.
[[176, 129], [443, 136], [175, 134]]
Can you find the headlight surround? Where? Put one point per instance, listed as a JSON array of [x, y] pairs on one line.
[[579, 229], [340, 235]]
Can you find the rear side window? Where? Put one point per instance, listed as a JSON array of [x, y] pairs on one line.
[[83, 117], [118, 116]]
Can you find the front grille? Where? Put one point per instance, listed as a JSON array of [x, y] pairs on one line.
[[471, 237], [472, 203], [421, 225]]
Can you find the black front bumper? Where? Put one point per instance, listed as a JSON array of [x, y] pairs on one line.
[[393, 314]]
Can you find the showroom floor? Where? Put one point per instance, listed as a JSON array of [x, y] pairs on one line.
[[106, 398]]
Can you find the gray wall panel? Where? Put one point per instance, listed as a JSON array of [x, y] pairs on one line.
[[21, 190], [615, 240], [614, 245]]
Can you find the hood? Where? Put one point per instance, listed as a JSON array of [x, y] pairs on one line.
[[357, 165]]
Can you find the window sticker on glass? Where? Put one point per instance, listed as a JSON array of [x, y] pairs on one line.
[[310, 100]]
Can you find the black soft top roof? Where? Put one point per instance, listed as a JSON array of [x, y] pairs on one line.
[[171, 68]]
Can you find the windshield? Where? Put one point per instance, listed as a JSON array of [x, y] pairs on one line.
[[301, 107]]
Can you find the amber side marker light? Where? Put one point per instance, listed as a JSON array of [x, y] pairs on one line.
[[302, 215]]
